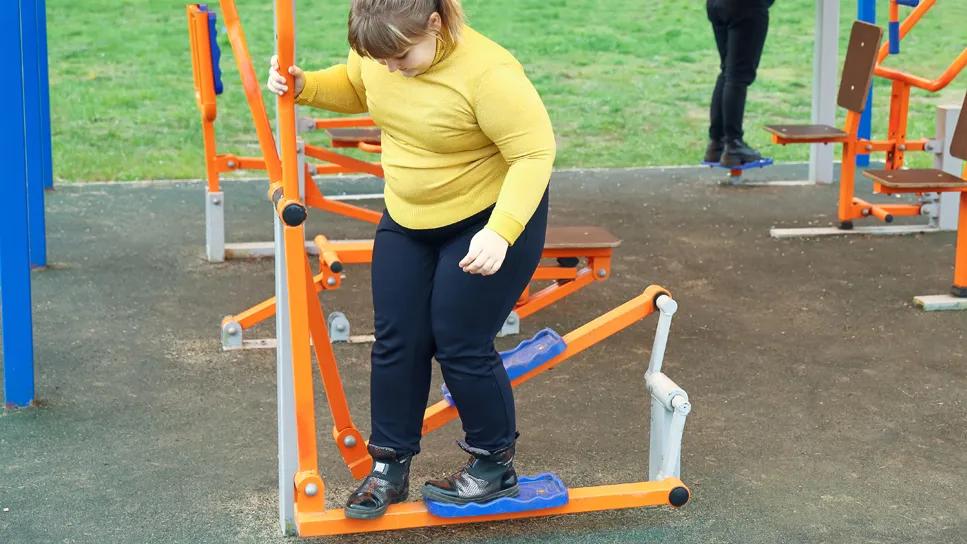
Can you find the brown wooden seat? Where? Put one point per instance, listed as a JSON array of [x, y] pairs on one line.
[[854, 86], [579, 237], [352, 137], [807, 132], [927, 180]]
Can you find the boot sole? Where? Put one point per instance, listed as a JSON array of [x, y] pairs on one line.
[[431, 493], [371, 513]]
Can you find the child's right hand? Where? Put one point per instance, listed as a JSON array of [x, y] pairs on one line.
[[276, 82]]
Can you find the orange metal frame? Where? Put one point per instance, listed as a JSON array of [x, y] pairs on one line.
[[896, 144], [218, 163], [334, 254], [306, 321], [960, 251]]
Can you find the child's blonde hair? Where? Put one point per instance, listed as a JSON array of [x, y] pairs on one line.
[[383, 29]]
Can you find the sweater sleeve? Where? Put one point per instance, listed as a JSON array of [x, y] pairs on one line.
[[511, 113], [338, 88]]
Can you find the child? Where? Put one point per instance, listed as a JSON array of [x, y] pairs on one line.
[[467, 155]]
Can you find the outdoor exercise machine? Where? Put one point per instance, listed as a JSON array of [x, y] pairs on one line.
[[302, 492], [580, 255], [863, 59], [344, 132], [927, 180]]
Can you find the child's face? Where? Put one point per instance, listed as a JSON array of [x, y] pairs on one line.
[[417, 58]]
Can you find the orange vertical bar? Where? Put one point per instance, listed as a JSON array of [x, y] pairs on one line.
[[897, 133], [847, 176], [295, 265], [960, 260], [211, 167], [355, 455]]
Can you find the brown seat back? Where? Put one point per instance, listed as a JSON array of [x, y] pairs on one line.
[[854, 86], [958, 144]]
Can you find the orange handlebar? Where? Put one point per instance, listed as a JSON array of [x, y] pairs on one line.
[[898, 75]]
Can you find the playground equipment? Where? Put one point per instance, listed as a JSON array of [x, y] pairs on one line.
[[569, 246], [862, 62], [922, 180], [351, 132], [302, 489]]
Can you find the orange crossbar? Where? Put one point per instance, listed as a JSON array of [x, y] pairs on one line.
[[566, 280], [253, 91], [414, 514], [345, 122], [577, 341]]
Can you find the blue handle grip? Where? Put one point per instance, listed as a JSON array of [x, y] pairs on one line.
[[894, 37], [909, 3]]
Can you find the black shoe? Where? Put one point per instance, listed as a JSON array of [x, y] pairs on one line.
[[713, 152], [485, 477], [738, 153], [388, 483]]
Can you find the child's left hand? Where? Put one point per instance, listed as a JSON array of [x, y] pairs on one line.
[[486, 254]]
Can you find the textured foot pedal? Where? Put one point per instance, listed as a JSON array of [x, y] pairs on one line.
[[536, 493], [528, 355], [761, 163]]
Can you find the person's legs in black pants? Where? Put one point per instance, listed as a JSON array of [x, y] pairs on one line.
[[468, 311], [402, 283], [740, 28]]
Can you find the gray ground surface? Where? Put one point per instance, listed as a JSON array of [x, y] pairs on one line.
[[826, 408]]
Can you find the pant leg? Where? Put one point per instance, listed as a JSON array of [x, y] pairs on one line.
[[468, 311], [716, 129], [747, 30], [402, 282]]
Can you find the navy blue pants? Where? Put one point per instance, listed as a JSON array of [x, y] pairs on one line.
[[425, 307]]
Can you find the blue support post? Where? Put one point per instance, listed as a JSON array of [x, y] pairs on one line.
[[37, 116], [17, 322], [866, 12], [44, 79]]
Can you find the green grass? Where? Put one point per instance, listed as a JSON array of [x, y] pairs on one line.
[[626, 82]]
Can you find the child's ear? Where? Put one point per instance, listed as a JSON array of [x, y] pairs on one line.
[[435, 22]]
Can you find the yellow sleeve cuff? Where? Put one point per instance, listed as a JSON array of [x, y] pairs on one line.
[[308, 93], [505, 225]]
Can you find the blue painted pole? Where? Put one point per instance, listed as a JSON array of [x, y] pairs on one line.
[[37, 115], [866, 12], [43, 76], [18, 345]]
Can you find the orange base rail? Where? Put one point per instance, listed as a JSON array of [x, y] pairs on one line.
[[414, 514]]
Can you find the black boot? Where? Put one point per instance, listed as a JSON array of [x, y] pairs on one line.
[[388, 483], [738, 153], [713, 152], [485, 477]]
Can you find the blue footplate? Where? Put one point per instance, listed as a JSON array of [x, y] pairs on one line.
[[761, 163], [528, 355], [536, 493]]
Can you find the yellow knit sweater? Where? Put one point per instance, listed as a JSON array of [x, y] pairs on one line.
[[469, 132]]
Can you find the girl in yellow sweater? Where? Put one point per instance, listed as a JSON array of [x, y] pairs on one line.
[[467, 155]]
